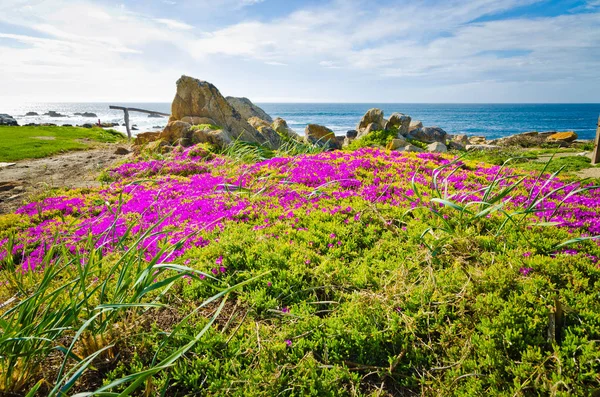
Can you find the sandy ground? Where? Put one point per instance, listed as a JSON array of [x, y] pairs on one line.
[[27, 178]]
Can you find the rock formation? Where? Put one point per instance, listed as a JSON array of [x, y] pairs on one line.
[[428, 135], [320, 135], [5, 119], [399, 121], [373, 117], [197, 102], [247, 109]]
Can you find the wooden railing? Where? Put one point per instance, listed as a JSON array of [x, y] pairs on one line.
[[596, 153], [127, 110]]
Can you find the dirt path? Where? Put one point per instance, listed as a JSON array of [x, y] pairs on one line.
[[26, 178], [593, 172]]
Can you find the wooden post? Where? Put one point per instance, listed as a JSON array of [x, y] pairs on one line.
[[127, 123], [596, 153], [126, 112]]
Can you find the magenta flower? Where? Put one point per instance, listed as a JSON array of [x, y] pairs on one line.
[[525, 270], [527, 254], [332, 235], [214, 271], [285, 310], [222, 269], [288, 342], [269, 284], [219, 260]]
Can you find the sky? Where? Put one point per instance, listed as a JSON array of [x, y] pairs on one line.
[[403, 51]]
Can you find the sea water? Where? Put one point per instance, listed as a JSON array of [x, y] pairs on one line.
[[489, 120]]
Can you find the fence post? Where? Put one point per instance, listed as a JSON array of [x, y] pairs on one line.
[[596, 153]]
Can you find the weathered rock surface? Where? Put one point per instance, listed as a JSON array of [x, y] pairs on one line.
[[428, 135], [177, 132], [197, 98], [84, 114], [437, 147], [568, 136], [247, 109], [280, 125], [146, 137], [477, 140], [216, 137], [397, 143], [5, 119], [31, 114], [351, 133], [410, 148], [373, 116], [414, 124], [258, 122], [193, 120], [121, 151], [53, 113], [321, 135], [399, 121]]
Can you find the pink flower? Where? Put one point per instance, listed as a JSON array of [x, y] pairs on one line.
[[527, 254], [332, 235], [214, 271], [307, 261], [285, 310], [288, 342], [525, 270], [219, 260], [222, 269], [269, 284]]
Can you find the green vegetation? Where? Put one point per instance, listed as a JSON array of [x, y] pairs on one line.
[[201, 127], [18, 143], [365, 273], [374, 138]]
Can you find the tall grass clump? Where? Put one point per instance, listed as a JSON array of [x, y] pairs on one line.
[[77, 312]]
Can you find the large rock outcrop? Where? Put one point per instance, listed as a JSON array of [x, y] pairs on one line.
[[321, 135], [200, 101], [247, 109], [399, 121], [6, 119], [373, 118], [428, 135]]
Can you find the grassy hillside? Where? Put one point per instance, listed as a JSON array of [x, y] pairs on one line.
[[345, 273], [18, 143]]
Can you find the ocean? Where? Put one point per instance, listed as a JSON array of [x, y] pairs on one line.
[[489, 120]]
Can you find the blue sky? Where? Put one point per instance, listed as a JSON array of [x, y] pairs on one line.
[[302, 51]]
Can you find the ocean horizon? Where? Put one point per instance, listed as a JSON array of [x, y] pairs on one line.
[[493, 120]]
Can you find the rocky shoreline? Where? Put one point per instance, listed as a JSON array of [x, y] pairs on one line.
[[200, 113]]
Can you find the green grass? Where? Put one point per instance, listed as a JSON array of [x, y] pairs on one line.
[[19, 143]]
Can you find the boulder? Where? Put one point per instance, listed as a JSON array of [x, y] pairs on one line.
[[399, 121], [31, 114], [247, 109], [5, 119], [67, 125], [280, 125], [429, 135], [454, 145], [258, 122], [177, 132], [373, 116], [155, 116], [396, 143], [462, 139], [217, 137], [197, 98], [87, 125], [121, 151], [198, 120], [351, 134], [526, 139], [320, 135], [53, 113], [414, 124], [568, 136], [477, 140], [88, 114], [146, 137], [410, 148], [437, 147], [370, 128]]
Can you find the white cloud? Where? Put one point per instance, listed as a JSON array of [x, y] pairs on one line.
[[173, 24]]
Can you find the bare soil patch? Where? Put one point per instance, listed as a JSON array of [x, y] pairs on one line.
[[74, 170]]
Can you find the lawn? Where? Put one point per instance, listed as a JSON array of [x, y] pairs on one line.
[[362, 272], [19, 143]]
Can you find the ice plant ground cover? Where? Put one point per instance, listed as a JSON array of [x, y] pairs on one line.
[[362, 272]]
